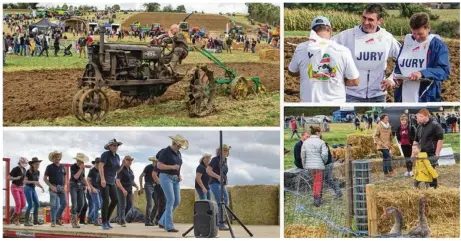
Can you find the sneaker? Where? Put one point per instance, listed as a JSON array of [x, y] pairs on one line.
[[223, 227], [97, 224], [149, 224], [108, 225], [104, 226], [173, 230], [53, 224], [123, 225], [406, 174], [411, 173]]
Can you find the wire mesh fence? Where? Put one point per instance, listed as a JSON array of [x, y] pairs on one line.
[[345, 214]]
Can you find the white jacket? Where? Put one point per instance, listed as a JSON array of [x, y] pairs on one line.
[[370, 80], [314, 153]]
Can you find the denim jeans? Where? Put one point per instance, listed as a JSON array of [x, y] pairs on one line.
[[159, 204], [387, 164], [108, 193], [149, 191], [170, 186], [202, 195], [58, 204], [216, 190], [89, 204], [329, 178], [32, 199], [77, 196], [351, 98], [124, 204], [96, 203]]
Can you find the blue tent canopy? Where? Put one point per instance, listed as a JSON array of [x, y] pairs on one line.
[[341, 114]]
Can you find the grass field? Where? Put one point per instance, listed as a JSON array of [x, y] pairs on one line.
[[18, 63], [338, 135], [255, 111]]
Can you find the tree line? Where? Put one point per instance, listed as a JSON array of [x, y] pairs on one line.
[[155, 7], [264, 12], [313, 111]]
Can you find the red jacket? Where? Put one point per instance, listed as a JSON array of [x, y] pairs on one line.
[[293, 125]]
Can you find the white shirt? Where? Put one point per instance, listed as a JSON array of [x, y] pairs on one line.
[[323, 66], [371, 51]]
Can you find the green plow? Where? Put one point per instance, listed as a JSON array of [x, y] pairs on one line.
[[234, 84]]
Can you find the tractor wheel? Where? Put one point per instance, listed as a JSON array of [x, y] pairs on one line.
[[200, 93], [239, 87], [75, 103], [93, 105]]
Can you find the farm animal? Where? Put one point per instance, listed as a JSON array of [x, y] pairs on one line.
[[396, 229], [421, 230]]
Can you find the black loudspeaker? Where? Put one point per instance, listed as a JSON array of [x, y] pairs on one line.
[[205, 219]]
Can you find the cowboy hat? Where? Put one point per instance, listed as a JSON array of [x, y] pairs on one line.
[[81, 157], [206, 155], [111, 142], [181, 141], [225, 147], [153, 159], [23, 162], [34, 160], [52, 154], [98, 159]]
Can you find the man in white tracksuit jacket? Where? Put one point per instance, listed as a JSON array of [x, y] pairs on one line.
[[371, 46]]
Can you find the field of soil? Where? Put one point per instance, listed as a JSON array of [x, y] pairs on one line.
[[47, 94], [210, 22], [450, 87]]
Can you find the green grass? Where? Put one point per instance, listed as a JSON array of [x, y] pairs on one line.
[[255, 111], [338, 135], [19, 63]]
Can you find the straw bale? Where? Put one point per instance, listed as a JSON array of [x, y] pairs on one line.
[[442, 209], [304, 231], [185, 212], [269, 54], [364, 141], [256, 204]]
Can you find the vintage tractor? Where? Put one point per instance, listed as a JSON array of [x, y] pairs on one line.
[[138, 72], [184, 26], [234, 84]]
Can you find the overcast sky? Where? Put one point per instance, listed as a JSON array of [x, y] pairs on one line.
[[125, 5], [254, 157]]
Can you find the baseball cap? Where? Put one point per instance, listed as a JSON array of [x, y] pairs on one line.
[[320, 20]]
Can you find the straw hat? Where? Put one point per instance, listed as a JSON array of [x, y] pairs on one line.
[[34, 160], [153, 159], [225, 147], [206, 155], [111, 142], [81, 157], [23, 162], [52, 154], [181, 141], [96, 160]]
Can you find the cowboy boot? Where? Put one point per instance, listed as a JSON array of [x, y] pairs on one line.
[[59, 222], [36, 221], [13, 218], [16, 219], [26, 220], [74, 221]]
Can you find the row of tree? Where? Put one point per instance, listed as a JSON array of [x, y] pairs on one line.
[[313, 111], [264, 12], [155, 7]]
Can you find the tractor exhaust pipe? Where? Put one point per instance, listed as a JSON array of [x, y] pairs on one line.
[[101, 44]]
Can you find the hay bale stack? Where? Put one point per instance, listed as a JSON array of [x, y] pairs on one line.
[[304, 231], [185, 212], [442, 209], [338, 153], [363, 141], [258, 204], [269, 54]]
